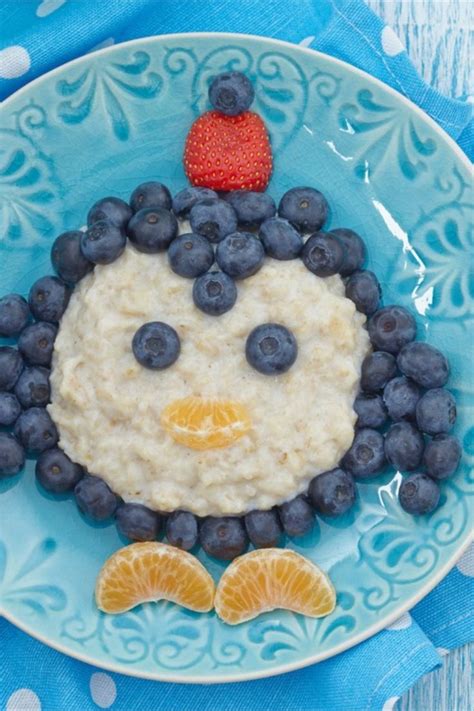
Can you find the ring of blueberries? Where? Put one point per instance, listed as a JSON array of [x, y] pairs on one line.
[[404, 413]]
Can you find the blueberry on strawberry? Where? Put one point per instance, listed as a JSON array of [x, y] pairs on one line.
[[231, 93]]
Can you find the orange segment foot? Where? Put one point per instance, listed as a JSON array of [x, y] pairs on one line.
[[147, 572], [270, 579]]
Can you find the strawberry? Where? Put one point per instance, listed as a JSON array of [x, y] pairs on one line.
[[228, 152]]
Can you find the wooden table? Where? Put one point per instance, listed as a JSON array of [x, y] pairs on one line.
[[438, 35]]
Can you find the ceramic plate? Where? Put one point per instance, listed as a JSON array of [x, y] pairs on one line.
[[110, 120]]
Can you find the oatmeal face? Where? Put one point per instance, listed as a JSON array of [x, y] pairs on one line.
[[114, 415]]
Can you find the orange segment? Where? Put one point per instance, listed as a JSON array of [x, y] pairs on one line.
[[269, 579], [146, 572], [201, 423]]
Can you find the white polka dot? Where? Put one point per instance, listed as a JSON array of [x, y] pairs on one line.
[[103, 690], [466, 563], [442, 651], [307, 41], [14, 61], [391, 42], [389, 705], [23, 700], [402, 623], [48, 6]]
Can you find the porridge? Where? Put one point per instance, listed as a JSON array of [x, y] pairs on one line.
[[301, 422]]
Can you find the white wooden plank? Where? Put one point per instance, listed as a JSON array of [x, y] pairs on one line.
[[439, 37]]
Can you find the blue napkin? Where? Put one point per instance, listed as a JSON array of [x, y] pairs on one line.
[[37, 35]]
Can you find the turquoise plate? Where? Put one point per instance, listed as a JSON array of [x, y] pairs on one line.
[[112, 119]]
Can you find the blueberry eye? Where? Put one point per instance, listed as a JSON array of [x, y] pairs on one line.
[[156, 345], [271, 349]]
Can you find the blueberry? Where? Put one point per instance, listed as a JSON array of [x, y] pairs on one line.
[[404, 446], [138, 522], [332, 493], [56, 472], [48, 299], [110, 209], [425, 364], [224, 538], [182, 530], [296, 516], [94, 498], [418, 494], [10, 409], [36, 431], [354, 250], [14, 315], [187, 198], [251, 208], [323, 254], [32, 388], [364, 290], [36, 343], [231, 93], [370, 409], [67, 257], [391, 328], [150, 194], [190, 255], [306, 208], [442, 456], [271, 349], [263, 528], [377, 369], [400, 397], [152, 229], [436, 412], [12, 455], [280, 239], [213, 219], [214, 293], [156, 345], [11, 365], [103, 242], [365, 458], [240, 255]]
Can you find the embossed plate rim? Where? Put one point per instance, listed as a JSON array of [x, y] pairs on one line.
[[432, 580]]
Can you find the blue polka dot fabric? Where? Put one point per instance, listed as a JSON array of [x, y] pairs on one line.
[[38, 35]]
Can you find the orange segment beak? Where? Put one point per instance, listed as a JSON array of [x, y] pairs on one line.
[[202, 423]]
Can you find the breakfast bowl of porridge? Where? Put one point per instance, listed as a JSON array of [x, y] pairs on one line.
[[233, 387]]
